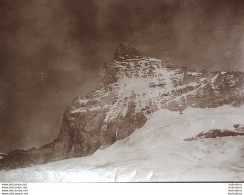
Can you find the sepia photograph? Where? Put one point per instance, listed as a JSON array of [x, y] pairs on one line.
[[121, 91]]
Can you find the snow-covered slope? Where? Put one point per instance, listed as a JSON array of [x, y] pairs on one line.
[[156, 152]]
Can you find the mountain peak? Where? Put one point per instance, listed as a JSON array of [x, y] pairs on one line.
[[130, 92], [125, 51]]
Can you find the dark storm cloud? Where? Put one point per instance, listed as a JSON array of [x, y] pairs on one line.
[[50, 51]]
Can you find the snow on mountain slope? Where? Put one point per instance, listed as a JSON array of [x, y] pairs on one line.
[[150, 84], [156, 152], [2, 155]]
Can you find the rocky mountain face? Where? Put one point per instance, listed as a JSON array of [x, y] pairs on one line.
[[131, 88], [125, 51]]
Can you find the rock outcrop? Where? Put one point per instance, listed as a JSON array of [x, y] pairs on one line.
[[131, 88], [125, 51], [216, 133]]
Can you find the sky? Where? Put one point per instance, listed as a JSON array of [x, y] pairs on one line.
[[50, 51]]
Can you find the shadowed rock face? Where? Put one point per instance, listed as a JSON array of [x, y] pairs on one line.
[[125, 51], [216, 133], [131, 87]]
